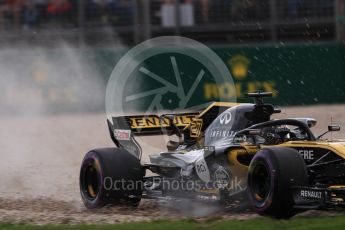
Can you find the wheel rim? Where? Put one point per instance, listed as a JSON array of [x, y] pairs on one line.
[[91, 182], [260, 183]]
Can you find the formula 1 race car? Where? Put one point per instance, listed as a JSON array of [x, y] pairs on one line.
[[222, 151]]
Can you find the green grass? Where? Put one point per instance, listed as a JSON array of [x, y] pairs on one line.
[[323, 223]]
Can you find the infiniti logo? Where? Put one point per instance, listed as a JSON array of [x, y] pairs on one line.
[[225, 118]]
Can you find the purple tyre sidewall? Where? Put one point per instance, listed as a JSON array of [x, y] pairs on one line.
[[91, 158], [263, 156]]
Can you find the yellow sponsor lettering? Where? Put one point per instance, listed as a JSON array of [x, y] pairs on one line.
[[163, 122], [151, 121], [239, 92], [253, 86], [270, 87], [176, 120], [227, 90], [137, 122], [195, 128], [213, 91], [156, 122]]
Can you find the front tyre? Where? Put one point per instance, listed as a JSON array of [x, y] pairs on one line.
[[110, 176], [272, 174]]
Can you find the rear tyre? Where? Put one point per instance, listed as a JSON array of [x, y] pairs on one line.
[[272, 174], [110, 176]]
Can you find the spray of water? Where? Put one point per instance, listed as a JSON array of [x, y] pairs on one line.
[[51, 113]]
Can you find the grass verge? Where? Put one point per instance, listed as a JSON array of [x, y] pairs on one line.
[[300, 223]]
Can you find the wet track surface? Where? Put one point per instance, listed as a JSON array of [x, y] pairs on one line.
[[39, 170]]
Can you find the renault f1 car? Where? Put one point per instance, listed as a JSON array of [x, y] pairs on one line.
[[225, 150]]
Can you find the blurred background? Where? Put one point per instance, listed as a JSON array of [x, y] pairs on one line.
[[57, 55], [209, 21]]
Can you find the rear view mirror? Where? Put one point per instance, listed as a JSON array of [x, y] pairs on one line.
[[333, 128]]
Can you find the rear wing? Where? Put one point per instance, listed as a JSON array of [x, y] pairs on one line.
[[123, 129], [154, 124]]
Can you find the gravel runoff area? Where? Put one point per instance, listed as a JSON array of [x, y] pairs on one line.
[[41, 156]]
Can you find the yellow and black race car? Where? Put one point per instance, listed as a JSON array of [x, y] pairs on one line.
[[221, 152]]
